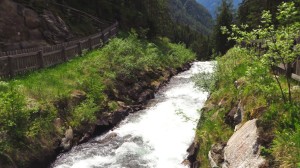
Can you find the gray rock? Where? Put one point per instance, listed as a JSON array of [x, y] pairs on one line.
[[58, 123], [69, 134], [107, 138], [65, 144], [243, 150], [55, 29], [216, 154]]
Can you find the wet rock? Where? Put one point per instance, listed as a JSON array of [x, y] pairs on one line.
[[146, 95], [216, 155], [85, 138], [104, 120], [192, 154], [107, 138], [243, 149], [196, 164], [66, 142], [174, 71], [138, 140], [186, 163], [117, 117]]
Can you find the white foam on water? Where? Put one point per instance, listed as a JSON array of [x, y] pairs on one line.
[[156, 137]]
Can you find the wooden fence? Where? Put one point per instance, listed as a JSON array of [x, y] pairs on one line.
[[21, 61], [295, 66]]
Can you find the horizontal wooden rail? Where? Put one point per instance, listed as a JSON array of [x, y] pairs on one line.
[[21, 61]]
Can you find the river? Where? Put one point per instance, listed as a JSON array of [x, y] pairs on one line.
[[156, 137]]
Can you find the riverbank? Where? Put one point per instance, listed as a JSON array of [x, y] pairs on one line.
[[147, 138], [49, 111], [246, 121]]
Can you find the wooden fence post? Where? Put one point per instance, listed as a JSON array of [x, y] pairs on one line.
[[41, 59], [10, 66], [90, 43], [80, 48], [298, 67], [111, 33], [102, 38], [63, 54]]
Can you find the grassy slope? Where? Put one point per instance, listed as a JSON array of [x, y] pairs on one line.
[[30, 104], [261, 98]]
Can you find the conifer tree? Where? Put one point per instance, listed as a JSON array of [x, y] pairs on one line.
[[224, 18]]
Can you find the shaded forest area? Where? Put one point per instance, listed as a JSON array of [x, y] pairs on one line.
[[182, 21], [249, 12]]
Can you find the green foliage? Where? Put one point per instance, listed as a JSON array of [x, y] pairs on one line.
[[224, 19], [286, 147], [211, 129], [240, 76], [84, 113], [180, 21], [249, 12], [205, 81], [14, 115], [279, 41], [30, 104]]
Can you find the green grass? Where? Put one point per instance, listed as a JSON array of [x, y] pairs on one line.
[[257, 89], [29, 104]]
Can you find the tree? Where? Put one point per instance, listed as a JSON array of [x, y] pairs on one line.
[[279, 41], [224, 18]]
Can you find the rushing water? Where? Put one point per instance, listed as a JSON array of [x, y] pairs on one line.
[[156, 137]]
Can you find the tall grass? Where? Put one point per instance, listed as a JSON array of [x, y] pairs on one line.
[[241, 77], [29, 104]]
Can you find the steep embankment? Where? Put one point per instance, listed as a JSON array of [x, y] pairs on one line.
[[49, 111], [22, 27], [245, 121]]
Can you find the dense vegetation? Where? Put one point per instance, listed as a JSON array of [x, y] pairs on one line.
[[189, 12], [248, 76], [180, 20], [30, 104], [225, 18]]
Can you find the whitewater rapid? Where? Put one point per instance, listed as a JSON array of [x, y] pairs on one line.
[[156, 137]]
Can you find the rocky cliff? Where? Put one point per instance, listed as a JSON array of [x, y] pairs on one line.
[[22, 27]]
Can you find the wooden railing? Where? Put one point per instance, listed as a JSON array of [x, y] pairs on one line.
[[259, 46], [17, 62]]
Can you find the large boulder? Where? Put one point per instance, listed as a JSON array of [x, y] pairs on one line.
[[242, 149]]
